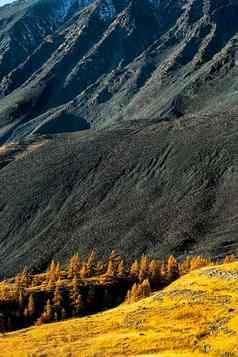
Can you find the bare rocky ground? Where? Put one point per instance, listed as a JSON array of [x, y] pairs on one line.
[[228, 275], [156, 189]]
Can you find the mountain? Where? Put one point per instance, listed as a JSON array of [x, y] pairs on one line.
[[118, 125], [158, 189], [24, 25], [199, 310], [98, 63]]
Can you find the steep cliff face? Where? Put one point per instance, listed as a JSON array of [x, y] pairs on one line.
[[107, 61]]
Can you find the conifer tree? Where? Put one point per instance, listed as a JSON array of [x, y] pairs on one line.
[[57, 303], [47, 314], [134, 293], [57, 271], [134, 270], [21, 298], [52, 274], [31, 307], [172, 268], [84, 271], [113, 263], [199, 262], [230, 259], [162, 271], [70, 268], [139, 291], [154, 273], [74, 291], [74, 266], [23, 280], [121, 269], [101, 267], [18, 282], [110, 270], [52, 267], [5, 292], [115, 258], [128, 297], [78, 305], [185, 266], [145, 289], [49, 310], [34, 282], [57, 299], [76, 301], [92, 263], [144, 268]]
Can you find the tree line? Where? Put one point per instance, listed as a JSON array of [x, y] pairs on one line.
[[86, 286]]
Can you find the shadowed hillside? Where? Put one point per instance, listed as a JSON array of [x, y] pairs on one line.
[[158, 189]]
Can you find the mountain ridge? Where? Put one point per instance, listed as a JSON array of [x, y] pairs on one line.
[[108, 64]]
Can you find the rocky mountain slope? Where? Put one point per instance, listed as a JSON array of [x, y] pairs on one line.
[[95, 63], [153, 84], [162, 188]]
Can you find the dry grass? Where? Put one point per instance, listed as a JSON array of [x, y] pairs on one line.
[[195, 316], [18, 151], [30, 148], [5, 149]]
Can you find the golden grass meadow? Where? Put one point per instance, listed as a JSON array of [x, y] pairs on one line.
[[195, 316]]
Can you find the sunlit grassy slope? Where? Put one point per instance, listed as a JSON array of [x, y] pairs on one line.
[[195, 316]]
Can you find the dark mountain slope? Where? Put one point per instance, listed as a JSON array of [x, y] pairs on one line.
[[161, 189], [121, 60], [25, 24]]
